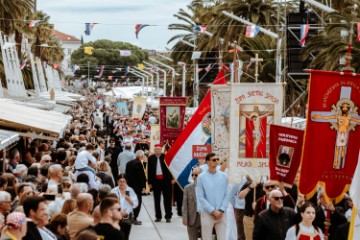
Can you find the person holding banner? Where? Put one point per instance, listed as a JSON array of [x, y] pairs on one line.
[[213, 196]]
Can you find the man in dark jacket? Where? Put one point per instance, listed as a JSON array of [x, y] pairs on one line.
[[136, 179], [34, 209], [160, 180], [114, 151], [273, 223]]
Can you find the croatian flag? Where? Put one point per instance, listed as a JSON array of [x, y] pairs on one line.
[[252, 31], [88, 28], [138, 28], [304, 30], [197, 132], [34, 23], [23, 64], [101, 70]]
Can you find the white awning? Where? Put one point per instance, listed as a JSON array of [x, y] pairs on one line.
[[7, 138], [32, 122]]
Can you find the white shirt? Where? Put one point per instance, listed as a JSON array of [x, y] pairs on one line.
[[46, 234], [83, 158], [125, 205], [291, 233], [93, 184], [158, 167], [152, 120]]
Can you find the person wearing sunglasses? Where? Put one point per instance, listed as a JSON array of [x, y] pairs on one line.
[[190, 215], [109, 227], [274, 222], [264, 202], [213, 197]]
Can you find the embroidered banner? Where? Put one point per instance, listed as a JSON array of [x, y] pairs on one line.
[[253, 108], [154, 136], [172, 114], [122, 108], [285, 153], [331, 144], [139, 106], [220, 120]]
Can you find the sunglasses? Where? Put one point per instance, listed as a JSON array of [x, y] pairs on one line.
[[194, 175], [278, 198], [269, 187], [215, 159]]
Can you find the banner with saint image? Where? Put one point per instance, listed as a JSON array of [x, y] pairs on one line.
[[122, 108], [285, 153], [139, 107], [254, 107], [172, 115], [331, 143], [154, 136]]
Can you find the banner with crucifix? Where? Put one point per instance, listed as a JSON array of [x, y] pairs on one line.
[[253, 108], [331, 144], [220, 120]]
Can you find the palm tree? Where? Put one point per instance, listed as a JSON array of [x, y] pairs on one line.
[[12, 14]]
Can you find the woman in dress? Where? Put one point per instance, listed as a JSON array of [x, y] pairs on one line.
[[305, 230], [128, 201]]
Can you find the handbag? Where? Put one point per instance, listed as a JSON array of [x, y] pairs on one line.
[[129, 219]]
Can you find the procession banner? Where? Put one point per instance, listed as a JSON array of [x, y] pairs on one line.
[[197, 132], [123, 108], [200, 151], [154, 136], [253, 108], [354, 230], [220, 120], [139, 106], [285, 153], [331, 143], [172, 115]]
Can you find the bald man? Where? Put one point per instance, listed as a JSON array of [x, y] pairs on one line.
[[80, 218]]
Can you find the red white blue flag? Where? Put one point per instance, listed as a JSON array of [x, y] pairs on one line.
[[138, 28], [304, 30], [197, 132], [23, 64], [34, 23], [101, 71], [88, 28], [252, 31]]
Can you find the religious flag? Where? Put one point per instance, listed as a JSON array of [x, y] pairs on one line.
[[358, 32], [154, 136], [122, 108], [139, 107], [140, 66], [285, 153], [23, 64], [75, 67], [331, 145], [138, 28], [125, 53], [354, 230], [197, 132], [34, 23], [304, 30], [252, 31], [101, 71], [88, 28], [88, 50]]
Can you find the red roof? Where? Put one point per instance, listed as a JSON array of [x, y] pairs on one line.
[[64, 37]]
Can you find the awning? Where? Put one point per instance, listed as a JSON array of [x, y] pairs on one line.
[[32, 122], [7, 138]]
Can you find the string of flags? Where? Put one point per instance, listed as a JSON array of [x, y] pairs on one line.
[[197, 28], [88, 28], [23, 64], [125, 53], [101, 71], [34, 23], [138, 28]]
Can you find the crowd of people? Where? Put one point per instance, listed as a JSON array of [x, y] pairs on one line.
[[90, 183]]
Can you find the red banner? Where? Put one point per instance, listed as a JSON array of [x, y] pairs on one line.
[[172, 114], [200, 151], [331, 146], [285, 153]]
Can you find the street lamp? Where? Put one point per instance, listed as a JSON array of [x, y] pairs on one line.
[[152, 80], [143, 81], [183, 65], [172, 75], [161, 70], [144, 75]]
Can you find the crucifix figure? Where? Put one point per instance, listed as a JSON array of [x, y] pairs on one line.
[[256, 60], [257, 122], [343, 118]]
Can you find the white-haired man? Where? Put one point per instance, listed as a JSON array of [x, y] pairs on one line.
[[5, 205], [55, 174]]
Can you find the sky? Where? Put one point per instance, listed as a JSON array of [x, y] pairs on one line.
[[117, 19]]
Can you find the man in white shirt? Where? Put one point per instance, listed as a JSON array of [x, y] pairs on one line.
[[85, 158]]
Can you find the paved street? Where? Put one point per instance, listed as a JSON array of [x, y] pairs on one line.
[[150, 230]]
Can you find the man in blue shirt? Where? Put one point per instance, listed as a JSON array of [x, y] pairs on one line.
[[214, 198]]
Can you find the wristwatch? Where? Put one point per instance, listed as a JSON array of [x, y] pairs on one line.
[[220, 210]]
